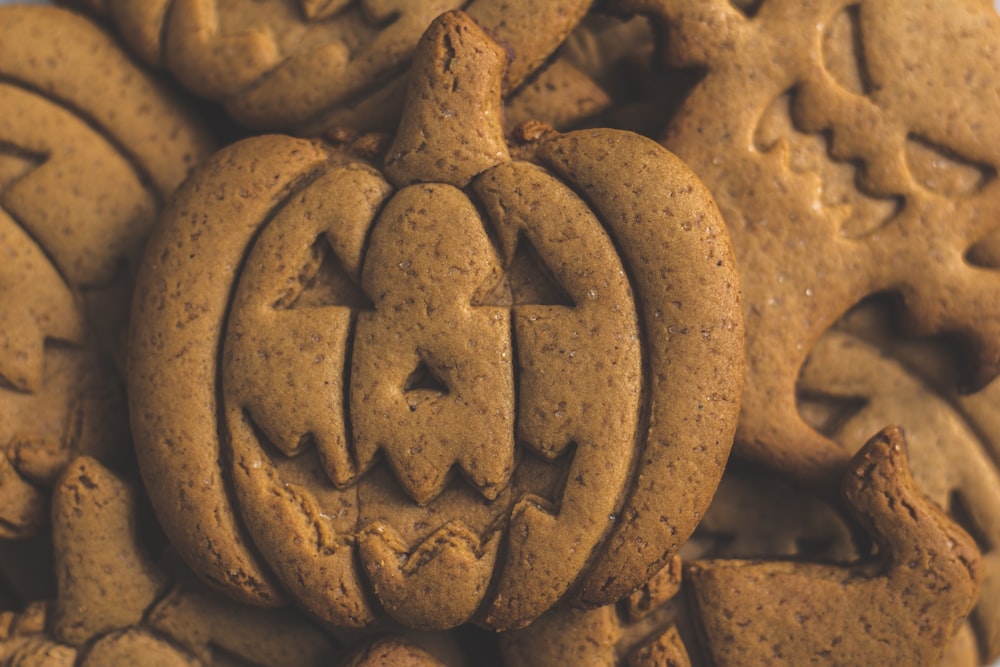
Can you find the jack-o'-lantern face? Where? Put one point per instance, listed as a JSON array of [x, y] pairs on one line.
[[440, 387]]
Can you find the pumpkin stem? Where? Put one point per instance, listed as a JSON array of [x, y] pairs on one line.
[[452, 128]]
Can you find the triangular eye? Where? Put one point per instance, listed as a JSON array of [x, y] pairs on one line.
[[422, 379], [325, 282], [15, 165], [531, 281]]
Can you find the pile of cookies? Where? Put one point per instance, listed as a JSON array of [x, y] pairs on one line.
[[637, 332]]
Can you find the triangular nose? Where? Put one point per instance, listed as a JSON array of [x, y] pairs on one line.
[[424, 379], [326, 282]]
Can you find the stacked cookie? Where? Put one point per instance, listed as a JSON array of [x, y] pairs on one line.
[[451, 372]]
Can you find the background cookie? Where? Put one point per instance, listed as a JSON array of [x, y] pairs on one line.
[[618, 55], [307, 66], [425, 304], [813, 232], [113, 601], [90, 146], [862, 373], [640, 631], [900, 607], [117, 606], [779, 610]]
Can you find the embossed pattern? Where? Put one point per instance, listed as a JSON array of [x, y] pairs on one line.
[[312, 66], [74, 207], [448, 421], [844, 215]]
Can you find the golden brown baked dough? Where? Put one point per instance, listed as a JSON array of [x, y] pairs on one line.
[[307, 66], [639, 631], [90, 146], [898, 608], [462, 389], [861, 374], [115, 606], [892, 188]]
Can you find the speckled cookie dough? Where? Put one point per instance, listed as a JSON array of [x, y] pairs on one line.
[[90, 147], [308, 66], [460, 389]]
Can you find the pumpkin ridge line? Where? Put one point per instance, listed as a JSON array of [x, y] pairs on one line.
[[352, 331], [642, 428], [226, 457]]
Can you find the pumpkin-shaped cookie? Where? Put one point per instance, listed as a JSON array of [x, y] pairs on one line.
[[90, 146], [308, 65], [459, 390]]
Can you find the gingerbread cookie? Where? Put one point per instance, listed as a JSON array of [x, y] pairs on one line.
[[618, 55], [90, 146], [900, 607], [753, 515], [393, 652], [640, 631], [861, 374], [561, 95], [852, 150], [116, 606], [461, 390], [311, 65]]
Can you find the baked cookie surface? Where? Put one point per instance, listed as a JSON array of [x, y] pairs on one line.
[[838, 140], [862, 373], [439, 387], [901, 604], [639, 631], [90, 146], [308, 65], [117, 605], [900, 607]]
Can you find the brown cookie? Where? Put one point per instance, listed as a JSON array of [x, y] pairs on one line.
[[639, 631], [618, 55], [900, 607], [393, 652], [23, 642], [463, 389], [117, 607], [311, 65], [860, 375], [852, 148], [90, 146], [561, 95]]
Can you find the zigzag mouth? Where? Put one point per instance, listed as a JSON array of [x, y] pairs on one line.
[[532, 474], [859, 211]]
